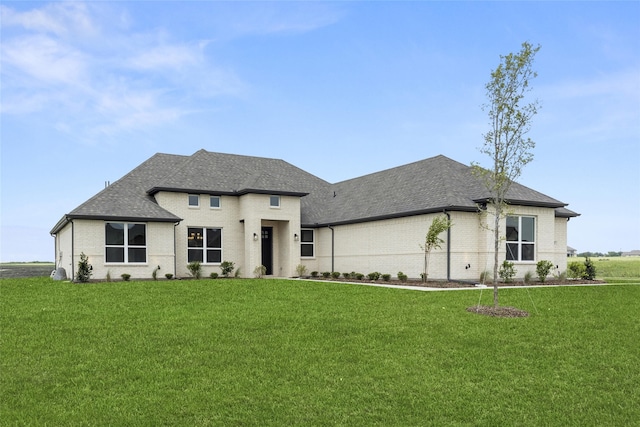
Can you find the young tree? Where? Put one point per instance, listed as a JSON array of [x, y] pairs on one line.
[[439, 225], [505, 142]]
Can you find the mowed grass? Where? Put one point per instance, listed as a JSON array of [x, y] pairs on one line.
[[279, 352]]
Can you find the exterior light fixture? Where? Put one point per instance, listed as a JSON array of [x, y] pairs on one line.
[[255, 237], [295, 237]]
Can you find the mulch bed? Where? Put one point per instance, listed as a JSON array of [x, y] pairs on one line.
[[498, 311], [467, 284]]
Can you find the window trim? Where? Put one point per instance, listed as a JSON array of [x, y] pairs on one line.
[[204, 247], [271, 199], [126, 246], [521, 243], [312, 243], [197, 196]]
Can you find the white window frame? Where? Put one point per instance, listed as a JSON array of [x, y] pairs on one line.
[[520, 242], [212, 198], [273, 198], [204, 248], [126, 246], [197, 196], [311, 243]]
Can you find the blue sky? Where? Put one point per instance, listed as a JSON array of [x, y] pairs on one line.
[[89, 90]]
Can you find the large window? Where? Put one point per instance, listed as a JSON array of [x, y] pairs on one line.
[[125, 242], [307, 244], [521, 238], [204, 245]]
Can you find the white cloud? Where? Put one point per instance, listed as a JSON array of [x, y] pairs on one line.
[[82, 64]]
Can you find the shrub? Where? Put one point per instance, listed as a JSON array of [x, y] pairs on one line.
[[326, 274], [301, 270], [195, 268], [386, 277], [527, 277], [507, 271], [335, 274], [561, 276], [125, 277], [589, 270], [84, 269], [154, 275], [576, 270], [358, 276], [108, 276], [373, 276], [169, 276], [213, 275], [543, 268], [259, 271], [402, 277], [314, 274], [227, 268], [346, 275]]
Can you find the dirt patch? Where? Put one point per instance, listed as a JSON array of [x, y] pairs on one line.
[[498, 311]]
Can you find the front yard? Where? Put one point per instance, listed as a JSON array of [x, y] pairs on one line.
[[283, 352]]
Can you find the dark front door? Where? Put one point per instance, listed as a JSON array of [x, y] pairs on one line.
[[267, 249]]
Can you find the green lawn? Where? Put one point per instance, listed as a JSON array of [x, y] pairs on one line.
[[278, 352]]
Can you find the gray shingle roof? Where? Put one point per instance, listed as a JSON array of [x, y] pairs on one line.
[[429, 185]]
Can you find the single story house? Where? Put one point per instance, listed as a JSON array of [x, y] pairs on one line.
[[631, 253], [571, 252], [214, 207]]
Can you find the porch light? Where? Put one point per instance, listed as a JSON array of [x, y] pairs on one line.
[[295, 237], [255, 237]]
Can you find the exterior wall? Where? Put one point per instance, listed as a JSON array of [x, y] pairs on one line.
[[239, 218], [64, 249], [393, 245], [89, 238]]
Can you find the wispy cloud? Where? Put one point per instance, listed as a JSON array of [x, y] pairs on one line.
[[97, 76]]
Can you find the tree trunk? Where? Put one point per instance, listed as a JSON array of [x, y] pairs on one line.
[[496, 249]]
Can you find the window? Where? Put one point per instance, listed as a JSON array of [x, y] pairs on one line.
[[204, 245], [125, 242], [521, 241], [194, 200], [274, 201], [307, 248], [214, 202]]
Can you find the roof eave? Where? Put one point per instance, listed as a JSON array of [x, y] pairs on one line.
[[241, 192]]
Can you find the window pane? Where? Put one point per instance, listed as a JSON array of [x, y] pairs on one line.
[[214, 238], [115, 255], [194, 200], [306, 235], [306, 250], [137, 234], [512, 251], [214, 255], [194, 255], [214, 201], [512, 228], [528, 252], [114, 233], [528, 229], [274, 201], [137, 255], [195, 238]]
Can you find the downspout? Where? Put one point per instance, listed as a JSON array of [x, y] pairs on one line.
[[175, 248], [73, 241], [332, 247], [448, 246]]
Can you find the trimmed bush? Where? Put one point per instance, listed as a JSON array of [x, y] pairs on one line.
[[227, 268], [326, 274], [314, 274], [84, 269], [373, 276], [359, 276], [169, 276], [576, 270], [125, 277], [507, 271], [543, 268], [386, 277], [402, 277], [335, 274], [195, 269], [213, 275], [346, 275]]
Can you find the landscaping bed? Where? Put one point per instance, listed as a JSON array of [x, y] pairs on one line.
[[444, 284]]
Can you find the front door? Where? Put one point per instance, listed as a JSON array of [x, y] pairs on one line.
[[267, 249]]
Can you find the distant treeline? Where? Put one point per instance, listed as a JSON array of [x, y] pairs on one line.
[[599, 254]]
